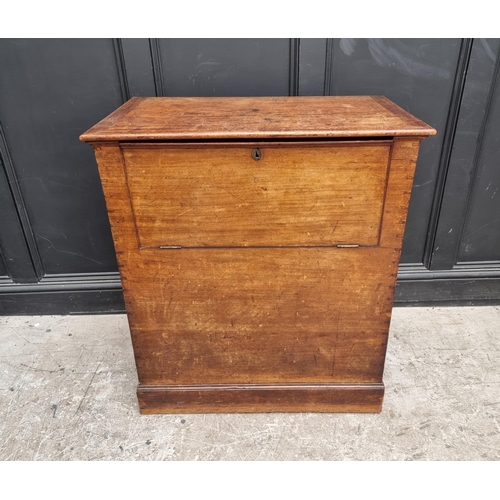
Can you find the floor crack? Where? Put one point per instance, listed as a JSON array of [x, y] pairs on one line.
[[88, 387]]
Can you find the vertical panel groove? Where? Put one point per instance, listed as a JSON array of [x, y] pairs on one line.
[[2, 258], [22, 213], [154, 47], [328, 67], [479, 146], [122, 70], [449, 135], [293, 83]]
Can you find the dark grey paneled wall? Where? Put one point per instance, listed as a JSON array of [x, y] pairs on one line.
[[54, 231], [50, 92], [461, 180], [418, 75], [240, 67], [481, 235]]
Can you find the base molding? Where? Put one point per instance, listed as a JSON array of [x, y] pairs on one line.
[[63, 294], [261, 398], [448, 292]]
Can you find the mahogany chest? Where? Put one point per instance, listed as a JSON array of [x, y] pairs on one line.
[[258, 242]]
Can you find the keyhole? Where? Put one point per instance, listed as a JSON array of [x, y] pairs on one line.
[[256, 154]]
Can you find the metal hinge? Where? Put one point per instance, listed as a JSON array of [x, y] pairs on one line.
[[171, 246], [347, 246]]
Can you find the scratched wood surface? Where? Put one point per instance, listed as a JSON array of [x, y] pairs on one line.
[[258, 329], [260, 315], [177, 118], [294, 195]]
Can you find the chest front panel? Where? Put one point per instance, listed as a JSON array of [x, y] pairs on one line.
[[257, 195]]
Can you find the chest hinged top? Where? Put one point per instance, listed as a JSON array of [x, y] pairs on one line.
[[228, 118]]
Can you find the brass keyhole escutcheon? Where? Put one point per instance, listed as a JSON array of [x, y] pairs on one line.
[[256, 154]]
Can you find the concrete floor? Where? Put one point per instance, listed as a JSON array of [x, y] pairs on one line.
[[67, 392]]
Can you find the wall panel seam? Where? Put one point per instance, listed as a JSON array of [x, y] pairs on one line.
[[447, 147], [478, 150], [122, 69], [20, 205]]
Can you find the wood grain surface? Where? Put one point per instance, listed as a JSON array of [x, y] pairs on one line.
[[196, 118], [260, 315], [294, 195], [259, 398]]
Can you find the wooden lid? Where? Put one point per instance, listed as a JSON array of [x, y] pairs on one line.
[[193, 118]]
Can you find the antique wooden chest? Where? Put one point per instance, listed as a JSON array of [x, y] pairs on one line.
[[258, 242]]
